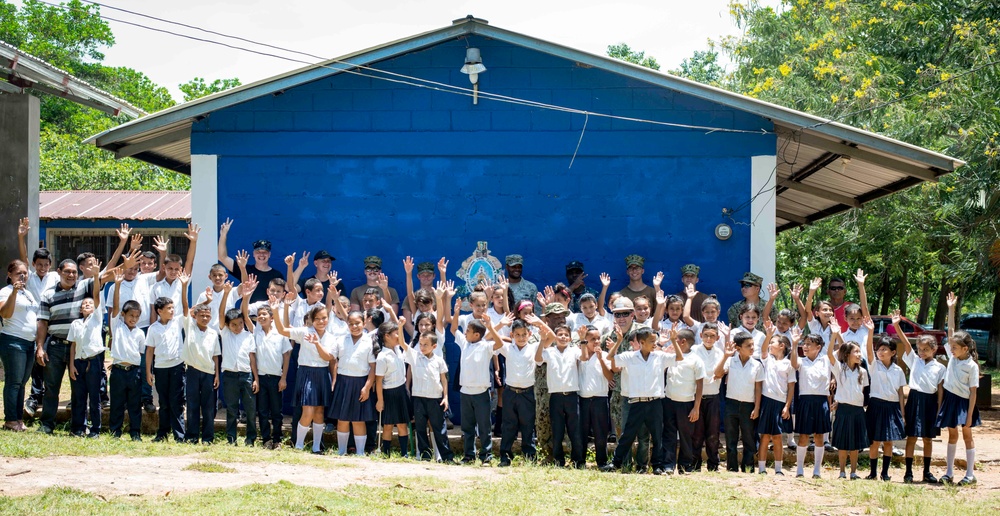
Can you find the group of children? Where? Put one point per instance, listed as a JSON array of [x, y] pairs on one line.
[[661, 377]]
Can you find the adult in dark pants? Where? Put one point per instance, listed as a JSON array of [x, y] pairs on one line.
[[39, 279], [19, 311], [59, 307]]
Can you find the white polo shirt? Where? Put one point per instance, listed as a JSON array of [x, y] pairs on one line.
[[308, 356], [961, 376], [136, 290], [163, 288], [37, 285], [200, 348], [850, 384], [23, 323], [815, 328], [236, 349], [743, 378], [86, 333], [593, 383], [758, 340], [645, 375], [563, 375], [127, 345], [354, 357], [777, 375], [520, 364], [681, 378], [270, 352], [601, 323], [426, 373], [925, 377], [859, 336], [214, 305], [814, 376], [390, 366], [476, 356], [167, 341], [709, 358]]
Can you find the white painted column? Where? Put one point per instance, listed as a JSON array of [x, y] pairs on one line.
[[205, 213], [762, 217]]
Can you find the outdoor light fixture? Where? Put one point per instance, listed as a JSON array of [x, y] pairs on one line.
[[473, 67]]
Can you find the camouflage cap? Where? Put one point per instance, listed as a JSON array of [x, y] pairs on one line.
[[555, 308], [690, 269], [514, 259], [752, 279], [373, 261], [425, 267], [634, 259]]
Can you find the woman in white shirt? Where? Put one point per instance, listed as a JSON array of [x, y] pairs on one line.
[[19, 311]]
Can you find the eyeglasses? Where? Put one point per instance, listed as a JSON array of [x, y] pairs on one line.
[[622, 315], [836, 288]]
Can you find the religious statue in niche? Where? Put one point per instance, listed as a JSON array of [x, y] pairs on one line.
[[479, 267]]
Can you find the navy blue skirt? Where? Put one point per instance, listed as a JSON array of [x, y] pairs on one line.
[[954, 412], [921, 413], [396, 409], [770, 421], [812, 415], [884, 420], [312, 387], [849, 430], [346, 405]]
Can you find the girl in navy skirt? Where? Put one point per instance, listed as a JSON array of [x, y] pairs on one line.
[[812, 408], [850, 435], [885, 406], [926, 376], [354, 378], [393, 403], [312, 380], [776, 400], [958, 406]]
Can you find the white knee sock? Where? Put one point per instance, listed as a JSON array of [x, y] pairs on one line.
[[818, 458], [800, 459], [826, 439], [777, 465], [970, 463], [359, 443], [317, 436], [951, 460], [342, 438], [300, 436], [761, 466]]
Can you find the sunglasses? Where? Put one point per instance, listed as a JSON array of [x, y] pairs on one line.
[[622, 315], [836, 288], [747, 285], [373, 269]]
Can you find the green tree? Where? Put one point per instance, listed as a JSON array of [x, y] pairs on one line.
[[702, 66], [197, 88], [921, 72], [623, 52]]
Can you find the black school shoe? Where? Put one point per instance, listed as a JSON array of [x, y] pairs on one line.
[[930, 479], [967, 481], [609, 468]]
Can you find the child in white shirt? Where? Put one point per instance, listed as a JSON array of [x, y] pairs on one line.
[[87, 367]]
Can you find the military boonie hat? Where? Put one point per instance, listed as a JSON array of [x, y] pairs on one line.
[[514, 259], [690, 269], [425, 267], [555, 308], [752, 279], [634, 259], [623, 304], [373, 261]]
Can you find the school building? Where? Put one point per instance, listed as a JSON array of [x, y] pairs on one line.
[[555, 153]]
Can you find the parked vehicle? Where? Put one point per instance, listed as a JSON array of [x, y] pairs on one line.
[[978, 327], [912, 330]]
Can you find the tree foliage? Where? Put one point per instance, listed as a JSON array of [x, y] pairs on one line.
[[702, 66], [923, 72], [197, 88], [625, 53]]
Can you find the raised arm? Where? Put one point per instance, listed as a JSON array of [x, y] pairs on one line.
[[161, 247], [387, 306], [661, 306], [813, 287], [772, 293], [383, 283], [411, 304], [246, 289], [98, 284], [952, 301], [834, 337], [278, 325], [116, 301], [227, 288], [441, 305], [720, 368], [224, 258], [605, 283], [869, 341], [796, 292], [618, 336], [22, 240], [860, 277], [297, 273], [794, 352], [291, 285], [689, 293], [907, 346], [242, 257], [122, 233], [454, 319]]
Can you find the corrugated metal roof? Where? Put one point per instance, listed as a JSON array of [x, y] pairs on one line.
[[114, 204], [811, 188], [22, 70]]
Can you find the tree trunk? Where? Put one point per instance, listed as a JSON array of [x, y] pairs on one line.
[[925, 299], [941, 312], [904, 292], [993, 344]]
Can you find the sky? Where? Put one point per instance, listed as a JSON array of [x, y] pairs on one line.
[[668, 30]]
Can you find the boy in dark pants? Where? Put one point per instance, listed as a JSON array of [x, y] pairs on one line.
[[706, 429], [645, 370], [595, 375], [474, 377], [743, 391], [273, 356], [519, 392], [86, 367], [430, 396], [201, 355], [165, 343], [128, 344]]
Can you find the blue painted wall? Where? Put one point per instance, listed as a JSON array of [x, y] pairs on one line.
[[359, 166]]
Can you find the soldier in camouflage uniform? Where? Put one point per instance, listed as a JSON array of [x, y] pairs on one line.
[[555, 315], [624, 312], [750, 287]]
